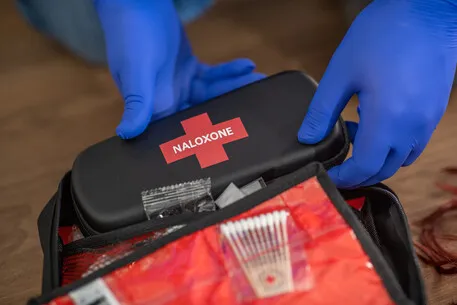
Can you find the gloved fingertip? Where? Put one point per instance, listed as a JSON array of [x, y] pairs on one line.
[[319, 120], [244, 64], [234, 68], [259, 76], [126, 130], [121, 134], [205, 90], [413, 156], [310, 132], [334, 174], [135, 118]]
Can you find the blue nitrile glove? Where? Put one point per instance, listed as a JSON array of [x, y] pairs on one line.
[[153, 66], [399, 57]]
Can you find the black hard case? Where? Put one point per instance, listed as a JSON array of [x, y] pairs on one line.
[[109, 177]]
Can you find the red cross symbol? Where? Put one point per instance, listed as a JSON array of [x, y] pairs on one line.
[[270, 279], [204, 140]]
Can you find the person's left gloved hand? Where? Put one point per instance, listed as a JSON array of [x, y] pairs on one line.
[[399, 57], [153, 65]]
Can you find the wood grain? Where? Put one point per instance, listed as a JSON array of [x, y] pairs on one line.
[[54, 105]]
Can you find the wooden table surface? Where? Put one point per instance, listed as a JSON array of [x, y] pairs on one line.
[[53, 106]]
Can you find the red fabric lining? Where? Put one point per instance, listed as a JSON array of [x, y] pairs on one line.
[[357, 203], [193, 270], [65, 234]]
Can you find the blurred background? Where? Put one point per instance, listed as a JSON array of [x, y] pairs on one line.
[[54, 105]]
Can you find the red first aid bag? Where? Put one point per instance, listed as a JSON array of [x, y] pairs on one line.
[[297, 241]]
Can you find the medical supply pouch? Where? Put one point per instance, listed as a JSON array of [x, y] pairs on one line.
[[241, 136], [294, 241]]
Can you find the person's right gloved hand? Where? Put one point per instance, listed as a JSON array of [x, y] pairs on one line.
[[153, 66], [399, 57]]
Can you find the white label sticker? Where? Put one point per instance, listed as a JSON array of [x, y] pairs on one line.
[[94, 293]]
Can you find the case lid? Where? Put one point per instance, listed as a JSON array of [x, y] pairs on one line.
[[237, 137]]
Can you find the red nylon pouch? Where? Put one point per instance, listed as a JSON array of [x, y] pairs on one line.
[[77, 264], [324, 255]]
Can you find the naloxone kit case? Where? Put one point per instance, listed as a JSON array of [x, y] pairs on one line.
[[237, 137]]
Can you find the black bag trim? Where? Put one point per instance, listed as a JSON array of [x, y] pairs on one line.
[[48, 224], [402, 231], [313, 170]]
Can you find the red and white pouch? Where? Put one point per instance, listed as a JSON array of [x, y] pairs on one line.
[[296, 241]]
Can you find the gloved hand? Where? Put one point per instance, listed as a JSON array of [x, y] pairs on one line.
[[153, 66], [399, 57]]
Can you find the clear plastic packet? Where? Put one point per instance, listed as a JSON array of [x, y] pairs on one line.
[[194, 197], [232, 193], [266, 256], [253, 187]]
